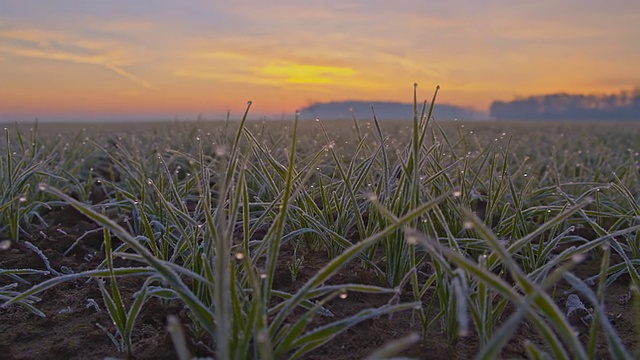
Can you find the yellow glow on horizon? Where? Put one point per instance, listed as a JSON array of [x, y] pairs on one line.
[[307, 74]]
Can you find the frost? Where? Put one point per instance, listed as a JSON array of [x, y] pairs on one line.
[[577, 313]]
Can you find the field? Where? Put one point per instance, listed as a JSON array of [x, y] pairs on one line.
[[320, 240]]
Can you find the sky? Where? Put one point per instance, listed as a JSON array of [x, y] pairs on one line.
[[160, 59]]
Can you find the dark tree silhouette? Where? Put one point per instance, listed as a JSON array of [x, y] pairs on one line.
[[562, 106]]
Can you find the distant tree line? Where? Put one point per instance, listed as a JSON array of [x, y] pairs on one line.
[[385, 110], [622, 106]]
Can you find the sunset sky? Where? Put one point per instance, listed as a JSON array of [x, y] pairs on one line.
[[82, 59]]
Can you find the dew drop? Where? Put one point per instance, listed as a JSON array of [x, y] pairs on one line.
[[578, 258], [22, 198], [5, 245], [221, 150], [412, 239], [467, 224], [263, 336], [263, 275], [240, 256], [343, 295]]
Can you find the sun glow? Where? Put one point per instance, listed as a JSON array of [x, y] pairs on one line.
[[307, 74]]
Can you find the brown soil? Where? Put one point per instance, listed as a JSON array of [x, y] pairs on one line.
[[69, 330]]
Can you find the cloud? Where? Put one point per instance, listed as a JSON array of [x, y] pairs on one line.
[[129, 76], [220, 55], [46, 45], [123, 26], [225, 76], [231, 66]]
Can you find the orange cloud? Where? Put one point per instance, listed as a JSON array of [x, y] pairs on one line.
[[43, 45]]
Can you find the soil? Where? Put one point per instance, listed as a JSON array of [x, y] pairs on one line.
[[70, 331]]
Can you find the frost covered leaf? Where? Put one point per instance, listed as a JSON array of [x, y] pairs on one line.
[[577, 313]]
